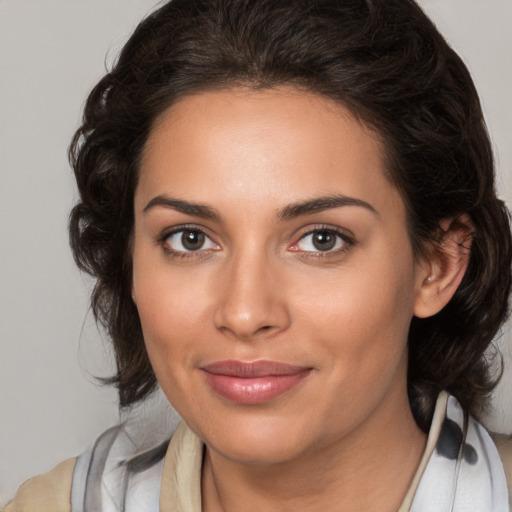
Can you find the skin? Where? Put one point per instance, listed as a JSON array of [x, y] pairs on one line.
[[258, 289]]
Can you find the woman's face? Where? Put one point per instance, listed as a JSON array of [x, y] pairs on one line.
[[273, 272]]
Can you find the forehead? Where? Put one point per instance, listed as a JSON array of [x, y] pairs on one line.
[[267, 146]]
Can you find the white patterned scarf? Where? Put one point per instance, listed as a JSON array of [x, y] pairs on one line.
[[464, 472], [461, 471]]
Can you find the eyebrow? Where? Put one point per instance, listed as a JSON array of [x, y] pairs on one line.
[[289, 212], [321, 204], [186, 207]]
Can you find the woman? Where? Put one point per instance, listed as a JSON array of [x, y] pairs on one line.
[[290, 212]]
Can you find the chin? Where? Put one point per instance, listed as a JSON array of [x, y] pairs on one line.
[[259, 440], [257, 451]]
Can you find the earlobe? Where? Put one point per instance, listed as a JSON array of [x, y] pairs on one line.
[[444, 267]]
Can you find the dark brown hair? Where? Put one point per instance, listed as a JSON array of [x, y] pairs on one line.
[[382, 59]]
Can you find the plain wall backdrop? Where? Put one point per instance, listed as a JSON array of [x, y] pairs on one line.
[[51, 53]]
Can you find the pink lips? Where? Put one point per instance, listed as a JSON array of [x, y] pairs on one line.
[[252, 383]]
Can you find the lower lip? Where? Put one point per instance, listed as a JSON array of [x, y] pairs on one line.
[[253, 390]]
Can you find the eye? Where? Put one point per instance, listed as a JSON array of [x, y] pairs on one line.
[[188, 240], [322, 240]]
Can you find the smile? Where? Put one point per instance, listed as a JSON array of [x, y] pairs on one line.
[[252, 383]]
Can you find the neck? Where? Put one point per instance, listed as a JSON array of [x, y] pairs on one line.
[[370, 468]]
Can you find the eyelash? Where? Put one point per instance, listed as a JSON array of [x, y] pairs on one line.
[[178, 254], [346, 240]]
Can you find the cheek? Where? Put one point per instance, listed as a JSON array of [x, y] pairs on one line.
[[168, 312], [170, 306], [168, 327], [359, 319]]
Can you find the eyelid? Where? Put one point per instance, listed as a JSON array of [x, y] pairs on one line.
[[167, 233], [346, 237]]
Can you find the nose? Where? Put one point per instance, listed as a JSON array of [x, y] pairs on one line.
[[252, 299]]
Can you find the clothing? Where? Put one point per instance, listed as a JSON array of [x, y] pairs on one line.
[[460, 471], [45, 493]]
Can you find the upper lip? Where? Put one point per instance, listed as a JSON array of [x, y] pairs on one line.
[[242, 369]]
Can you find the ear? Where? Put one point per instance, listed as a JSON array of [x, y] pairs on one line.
[[443, 268]]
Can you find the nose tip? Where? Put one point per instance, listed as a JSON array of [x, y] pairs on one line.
[[248, 322], [251, 306]]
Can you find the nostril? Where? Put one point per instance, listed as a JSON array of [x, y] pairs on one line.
[[250, 317], [265, 328]]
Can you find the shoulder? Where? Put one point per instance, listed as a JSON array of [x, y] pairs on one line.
[[50, 492]]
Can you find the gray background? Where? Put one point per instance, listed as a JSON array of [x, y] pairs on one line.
[[51, 54]]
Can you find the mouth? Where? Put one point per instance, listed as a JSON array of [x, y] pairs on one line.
[[252, 382]]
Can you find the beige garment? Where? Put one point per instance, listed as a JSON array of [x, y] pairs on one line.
[[182, 489], [433, 436], [182, 476], [504, 445], [50, 492]]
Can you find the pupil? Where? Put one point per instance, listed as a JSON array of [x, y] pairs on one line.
[[324, 240], [192, 240]]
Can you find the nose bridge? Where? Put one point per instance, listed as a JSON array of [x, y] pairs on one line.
[[250, 304]]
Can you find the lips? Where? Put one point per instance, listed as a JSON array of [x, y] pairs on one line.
[[255, 382]]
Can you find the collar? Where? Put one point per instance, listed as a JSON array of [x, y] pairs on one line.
[[460, 470], [181, 490]]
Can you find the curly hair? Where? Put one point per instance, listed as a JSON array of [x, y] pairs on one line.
[[383, 60]]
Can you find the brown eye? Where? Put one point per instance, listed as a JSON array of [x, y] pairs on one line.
[[323, 240], [192, 240], [189, 240]]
